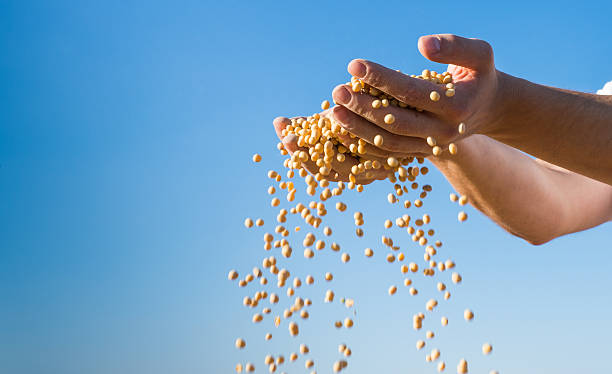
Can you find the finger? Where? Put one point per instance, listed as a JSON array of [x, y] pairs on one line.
[[408, 122], [451, 49], [412, 91], [367, 131], [279, 125]]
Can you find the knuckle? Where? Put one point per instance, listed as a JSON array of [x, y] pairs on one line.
[[487, 49], [374, 76]]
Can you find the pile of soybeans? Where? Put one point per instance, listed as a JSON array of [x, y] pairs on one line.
[[324, 145]]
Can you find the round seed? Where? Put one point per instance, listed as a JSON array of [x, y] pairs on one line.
[[468, 315], [420, 344], [456, 277], [462, 367], [248, 223], [376, 104], [463, 200], [431, 141], [452, 148], [240, 343], [435, 353], [441, 366], [389, 119], [293, 329], [256, 158], [461, 128], [444, 321], [345, 257], [369, 252], [348, 323], [378, 140], [232, 275], [437, 151], [450, 92], [486, 348], [325, 105], [462, 216], [434, 96], [392, 290]]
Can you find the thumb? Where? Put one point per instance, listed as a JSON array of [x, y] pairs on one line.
[[451, 49]]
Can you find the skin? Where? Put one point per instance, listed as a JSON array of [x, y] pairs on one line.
[[568, 189]]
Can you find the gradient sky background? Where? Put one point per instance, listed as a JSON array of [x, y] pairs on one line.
[[126, 132]]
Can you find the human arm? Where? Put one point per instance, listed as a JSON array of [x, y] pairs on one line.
[[527, 197], [569, 129]]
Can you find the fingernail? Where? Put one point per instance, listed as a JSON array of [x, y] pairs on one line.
[[357, 69], [341, 95], [433, 45]]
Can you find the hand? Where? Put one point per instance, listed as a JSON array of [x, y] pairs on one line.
[[476, 103]]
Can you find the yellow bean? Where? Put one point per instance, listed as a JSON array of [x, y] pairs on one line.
[[378, 140], [486, 348], [240, 343], [468, 315], [462, 367]]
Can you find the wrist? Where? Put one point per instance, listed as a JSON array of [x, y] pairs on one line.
[[502, 106]]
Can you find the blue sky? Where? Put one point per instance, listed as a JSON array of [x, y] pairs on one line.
[[126, 131]]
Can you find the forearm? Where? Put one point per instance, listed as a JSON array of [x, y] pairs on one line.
[[569, 129], [522, 195]]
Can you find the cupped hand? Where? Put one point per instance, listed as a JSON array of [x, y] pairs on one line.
[[476, 102], [340, 170]]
